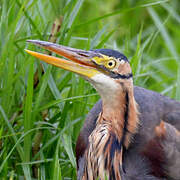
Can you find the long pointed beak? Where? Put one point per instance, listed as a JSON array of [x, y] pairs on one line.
[[81, 61]]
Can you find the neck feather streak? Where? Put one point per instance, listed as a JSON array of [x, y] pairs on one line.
[[114, 130]]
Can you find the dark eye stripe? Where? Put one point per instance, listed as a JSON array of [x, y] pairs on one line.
[[114, 74], [120, 76]]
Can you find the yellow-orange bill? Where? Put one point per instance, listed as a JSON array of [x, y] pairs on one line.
[[81, 69]]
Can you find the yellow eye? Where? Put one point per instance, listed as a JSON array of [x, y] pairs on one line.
[[111, 64]]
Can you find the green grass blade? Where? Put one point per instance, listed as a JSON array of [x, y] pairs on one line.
[[28, 122], [42, 89], [96, 39], [153, 3], [56, 173], [74, 12], [169, 43], [68, 147], [172, 11], [55, 102]]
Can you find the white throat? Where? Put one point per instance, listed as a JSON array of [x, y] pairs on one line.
[[106, 87]]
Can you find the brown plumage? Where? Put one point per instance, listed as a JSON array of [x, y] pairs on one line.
[[112, 133], [111, 113], [163, 151], [146, 145], [126, 127], [114, 128]]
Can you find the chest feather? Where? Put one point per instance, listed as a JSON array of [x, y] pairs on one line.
[[104, 155]]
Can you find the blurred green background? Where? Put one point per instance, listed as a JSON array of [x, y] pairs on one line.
[[42, 108]]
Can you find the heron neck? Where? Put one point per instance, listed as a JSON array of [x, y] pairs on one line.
[[115, 126], [122, 115]]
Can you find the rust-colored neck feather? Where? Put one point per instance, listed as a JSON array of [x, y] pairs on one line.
[[116, 124], [121, 113]]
